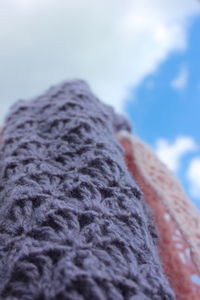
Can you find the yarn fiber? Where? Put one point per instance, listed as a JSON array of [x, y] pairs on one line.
[[73, 223]]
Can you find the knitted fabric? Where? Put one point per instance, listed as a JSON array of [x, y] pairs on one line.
[[73, 224], [166, 198]]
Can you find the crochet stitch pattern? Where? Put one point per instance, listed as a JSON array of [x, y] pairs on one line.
[[73, 223]]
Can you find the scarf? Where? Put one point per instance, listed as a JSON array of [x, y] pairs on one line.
[[73, 221]]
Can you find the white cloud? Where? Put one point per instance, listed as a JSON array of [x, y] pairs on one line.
[[113, 44], [171, 154], [180, 81], [193, 176]]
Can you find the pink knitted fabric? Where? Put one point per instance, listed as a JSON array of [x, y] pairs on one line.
[[179, 240]]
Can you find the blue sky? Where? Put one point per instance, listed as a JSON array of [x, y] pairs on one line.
[[157, 102], [141, 57], [161, 110]]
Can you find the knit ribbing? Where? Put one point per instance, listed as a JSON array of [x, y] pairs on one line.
[[73, 224]]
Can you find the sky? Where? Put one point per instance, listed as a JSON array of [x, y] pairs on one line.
[[141, 57], [168, 118]]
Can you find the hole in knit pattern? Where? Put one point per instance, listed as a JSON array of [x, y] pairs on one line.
[[85, 220]]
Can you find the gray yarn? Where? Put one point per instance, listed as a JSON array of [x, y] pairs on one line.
[[73, 224]]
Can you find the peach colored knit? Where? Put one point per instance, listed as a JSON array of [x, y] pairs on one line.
[[169, 206]]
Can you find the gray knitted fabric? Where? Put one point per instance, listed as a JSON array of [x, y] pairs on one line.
[[73, 224]]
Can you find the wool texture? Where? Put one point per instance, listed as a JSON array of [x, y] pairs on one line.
[[73, 223], [171, 210]]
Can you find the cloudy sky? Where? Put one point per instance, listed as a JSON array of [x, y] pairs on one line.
[[139, 56]]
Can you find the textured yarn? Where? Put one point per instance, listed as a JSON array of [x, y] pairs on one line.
[[73, 223], [172, 210]]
